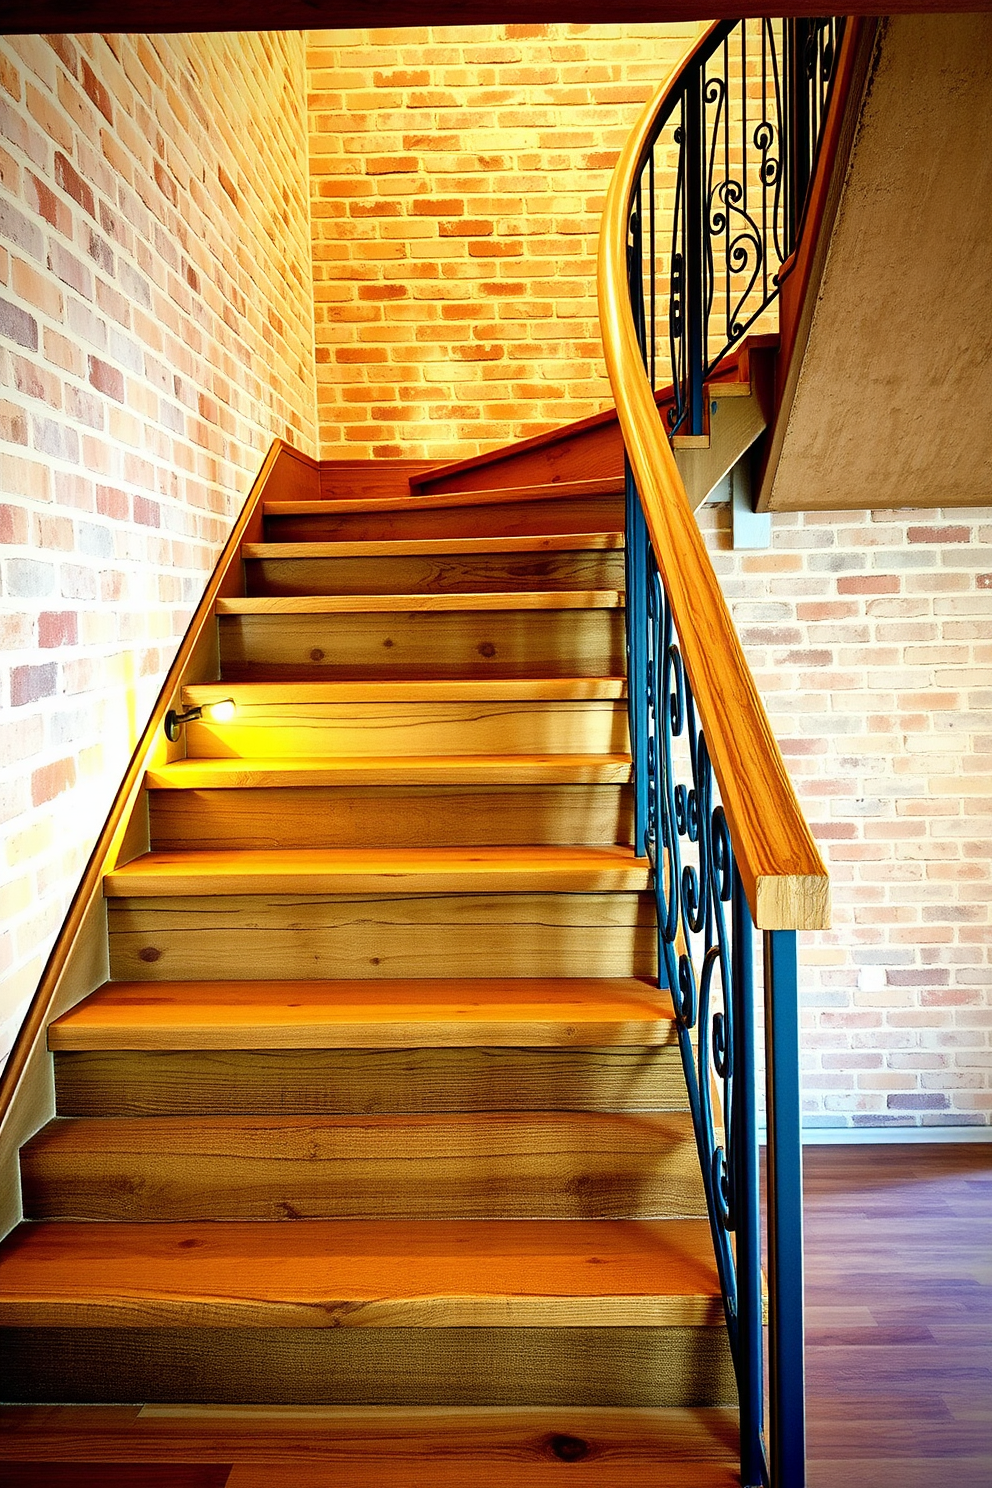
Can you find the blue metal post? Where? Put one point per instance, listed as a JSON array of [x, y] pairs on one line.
[[636, 558], [785, 1213], [746, 1198]]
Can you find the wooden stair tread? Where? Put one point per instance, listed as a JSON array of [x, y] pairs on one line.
[[410, 690], [461, 769], [346, 1014], [365, 1273], [600, 486], [328, 1446], [554, 542], [358, 870], [335, 604]]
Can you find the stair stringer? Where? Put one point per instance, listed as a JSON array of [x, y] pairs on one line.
[[79, 962]]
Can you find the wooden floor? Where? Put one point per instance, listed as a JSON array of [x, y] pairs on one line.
[[899, 1246]]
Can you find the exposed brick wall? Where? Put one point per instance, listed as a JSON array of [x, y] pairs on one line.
[[155, 333], [458, 176], [870, 636]]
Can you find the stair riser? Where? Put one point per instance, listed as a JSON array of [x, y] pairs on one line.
[[351, 1366], [428, 816], [515, 519], [303, 730], [460, 643], [167, 1187], [366, 1081], [381, 936], [444, 574]]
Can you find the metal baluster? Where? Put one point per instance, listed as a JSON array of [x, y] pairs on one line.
[[747, 1199], [694, 298], [785, 1212]]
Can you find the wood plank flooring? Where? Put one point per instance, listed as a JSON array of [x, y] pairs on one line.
[[899, 1365]]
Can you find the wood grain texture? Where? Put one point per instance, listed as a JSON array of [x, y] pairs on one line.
[[506, 1165], [421, 604], [387, 771], [899, 1315], [361, 1274], [391, 816], [372, 1080], [421, 644], [383, 936], [431, 1013], [592, 448], [390, 1366], [361, 870], [783, 875], [444, 728], [517, 1445], [532, 545], [363, 480], [597, 569], [416, 520], [420, 689]]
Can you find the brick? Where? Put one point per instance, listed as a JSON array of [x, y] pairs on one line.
[[57, 628], [18, 326], [96, 92], [106, 379], [73, 184], [30, 684], [51, 780]]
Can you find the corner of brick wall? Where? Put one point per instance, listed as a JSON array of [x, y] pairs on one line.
[[155, 334]]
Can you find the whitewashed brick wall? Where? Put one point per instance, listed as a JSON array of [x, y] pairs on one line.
[[156, 332]]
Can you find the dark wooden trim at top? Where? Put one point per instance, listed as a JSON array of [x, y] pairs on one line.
[[48, 16]]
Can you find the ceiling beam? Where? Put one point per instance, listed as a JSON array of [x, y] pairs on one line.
[[17, 17]]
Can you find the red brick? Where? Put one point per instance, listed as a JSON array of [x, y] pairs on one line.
[[939, 534], [106, 379], [96, 92], [51, 780], [57, 629], [868, 584], [73, 184]]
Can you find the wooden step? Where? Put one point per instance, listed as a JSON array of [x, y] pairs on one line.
[[485, 717], [494, 1165], [383, 936], [376, 604], [361, 1275], [330, 637], [563, 493], [372, 1446], [429, 547], [406, 689], [393, 816], [349, 1014], [371, 1081], [359, 1047], [400, 1366], [482, 870], [494, 513], [575, 563], [391, 770]]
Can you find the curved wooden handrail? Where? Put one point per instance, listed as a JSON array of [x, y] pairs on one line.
[[283, 469], [784, 877]]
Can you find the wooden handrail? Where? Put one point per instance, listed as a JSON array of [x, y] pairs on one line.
[[82, 937], [783, 875]]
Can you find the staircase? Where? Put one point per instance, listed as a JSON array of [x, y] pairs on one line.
[[381, 1104]]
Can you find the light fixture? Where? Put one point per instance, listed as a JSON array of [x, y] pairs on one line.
[[222, 711]]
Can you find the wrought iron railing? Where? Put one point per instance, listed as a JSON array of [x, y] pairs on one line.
[[718, 201], [728, 150]]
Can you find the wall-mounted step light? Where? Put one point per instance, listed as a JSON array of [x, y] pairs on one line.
[[220, 712]]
